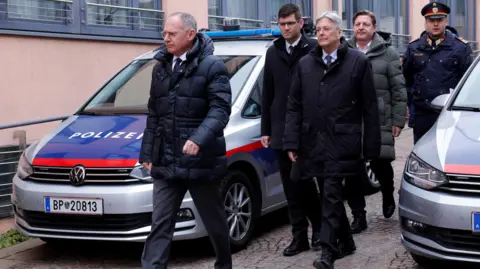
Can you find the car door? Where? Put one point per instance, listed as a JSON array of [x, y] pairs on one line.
[[271, 180]]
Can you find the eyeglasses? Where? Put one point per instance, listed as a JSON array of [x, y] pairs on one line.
[[323, 29], [289, 23]]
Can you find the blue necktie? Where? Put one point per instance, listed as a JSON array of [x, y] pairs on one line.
[[329, 60]]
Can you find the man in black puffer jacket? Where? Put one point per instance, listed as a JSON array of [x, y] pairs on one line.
[[183, 144]]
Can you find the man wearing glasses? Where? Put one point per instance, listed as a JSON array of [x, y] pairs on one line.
[[280, 64]]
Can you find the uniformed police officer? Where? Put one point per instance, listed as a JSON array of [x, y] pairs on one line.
[[433, 64]]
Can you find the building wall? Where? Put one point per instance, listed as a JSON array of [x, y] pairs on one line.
[[48, 77]]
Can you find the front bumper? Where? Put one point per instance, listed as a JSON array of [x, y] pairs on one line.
[[438, 225], [127, 213]]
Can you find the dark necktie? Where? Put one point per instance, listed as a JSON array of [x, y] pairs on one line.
[[178, 64], [329, 60], [290, 49]]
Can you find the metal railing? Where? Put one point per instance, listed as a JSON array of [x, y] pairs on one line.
[[124, 16], [9, 157], [58, 11]]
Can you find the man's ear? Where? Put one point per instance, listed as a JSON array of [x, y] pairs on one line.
[[191, 34]]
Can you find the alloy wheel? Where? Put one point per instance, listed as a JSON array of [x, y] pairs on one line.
[[238, 205]]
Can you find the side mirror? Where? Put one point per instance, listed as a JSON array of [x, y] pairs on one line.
[[440, 101]]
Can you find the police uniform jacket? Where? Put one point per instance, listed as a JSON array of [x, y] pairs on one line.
[[432, 70]]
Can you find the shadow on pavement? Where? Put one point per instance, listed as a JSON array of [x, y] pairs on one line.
[[128, 254]]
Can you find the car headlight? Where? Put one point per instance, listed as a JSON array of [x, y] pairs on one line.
[[423, 175], [140, 173], [24, 168]]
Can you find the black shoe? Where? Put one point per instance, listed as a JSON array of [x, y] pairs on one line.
[[359, 224], [325, 261], [346, 247], [316, 242], [296, 247], [388, 205]]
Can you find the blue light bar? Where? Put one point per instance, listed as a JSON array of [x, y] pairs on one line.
[[241, 33]]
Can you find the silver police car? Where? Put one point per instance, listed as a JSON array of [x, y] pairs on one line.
[[439, 204]]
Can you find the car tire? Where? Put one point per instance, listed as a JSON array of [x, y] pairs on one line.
[[425, 262], [242, 206]]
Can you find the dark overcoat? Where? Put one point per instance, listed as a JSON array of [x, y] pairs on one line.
[[325, 111]]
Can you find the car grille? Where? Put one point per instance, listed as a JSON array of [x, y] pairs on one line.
[[110, 222], [456, 239], [92, 175], [466, 184]]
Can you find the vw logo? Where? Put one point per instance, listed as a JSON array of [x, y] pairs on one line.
[[77, 175]]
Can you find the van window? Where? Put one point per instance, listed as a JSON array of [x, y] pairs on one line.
[[129, 90], [253, 107]]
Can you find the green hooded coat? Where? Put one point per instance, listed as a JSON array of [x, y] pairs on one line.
[[390, 88]]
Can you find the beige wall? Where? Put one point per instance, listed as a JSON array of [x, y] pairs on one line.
[[417, 21], [320, 6], [47, 77], [198, 8]]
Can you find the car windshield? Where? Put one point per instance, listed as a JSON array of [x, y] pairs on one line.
[[128, 91], [469, 95]]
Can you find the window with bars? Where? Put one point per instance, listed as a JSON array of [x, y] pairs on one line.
[[251, 13], [118, 18]]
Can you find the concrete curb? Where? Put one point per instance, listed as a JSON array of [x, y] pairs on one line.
[[18, 248]]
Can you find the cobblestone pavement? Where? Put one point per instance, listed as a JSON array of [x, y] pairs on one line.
[[377, 248]]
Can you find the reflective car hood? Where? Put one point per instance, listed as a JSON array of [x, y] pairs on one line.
[[453, 144], [92, 141]]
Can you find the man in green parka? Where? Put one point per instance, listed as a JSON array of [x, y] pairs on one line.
[[392, 108]]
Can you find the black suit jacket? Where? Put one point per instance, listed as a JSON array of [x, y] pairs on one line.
[[279, 69]]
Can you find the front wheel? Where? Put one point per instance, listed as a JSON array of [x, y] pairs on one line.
[[242, 206]]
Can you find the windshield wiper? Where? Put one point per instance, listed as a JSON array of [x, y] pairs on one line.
[[466, 108]]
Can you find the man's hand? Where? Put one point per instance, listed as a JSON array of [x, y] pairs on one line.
[[396, 131], [147, 166], [408, 113], [265, 141], [293, 156], [190, 148]]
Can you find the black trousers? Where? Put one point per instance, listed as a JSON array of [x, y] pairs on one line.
[[335, 226], [167, 198], [302, 196], [383, 171]]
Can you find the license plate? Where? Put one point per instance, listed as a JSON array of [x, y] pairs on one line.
[[476, 221], [78, 206]]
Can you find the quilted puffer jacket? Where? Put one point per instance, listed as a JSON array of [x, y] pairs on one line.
[[192, 105]]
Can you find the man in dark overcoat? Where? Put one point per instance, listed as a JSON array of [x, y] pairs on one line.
[[280, 63], [332, 93]]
